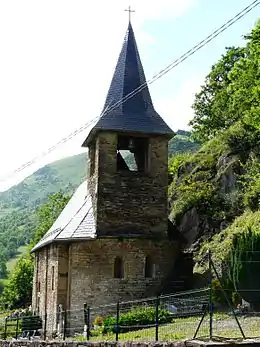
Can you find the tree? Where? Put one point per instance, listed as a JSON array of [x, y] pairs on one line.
[[245, 87], [211, 103], [231, 91], [18, 291], [3, 267], [48, 213]]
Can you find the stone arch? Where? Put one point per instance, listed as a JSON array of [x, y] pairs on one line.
[[118, 267]]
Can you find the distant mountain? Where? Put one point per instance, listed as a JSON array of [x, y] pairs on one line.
[[19, 203], [65, 175]]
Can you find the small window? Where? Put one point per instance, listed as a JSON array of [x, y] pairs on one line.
[[118, 268], [52, 278], [38, 286], [149, 270], [132, 153]]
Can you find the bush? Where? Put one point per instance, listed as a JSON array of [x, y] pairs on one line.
[[252, 195], [244, 261], [98, 321], [135, 319]]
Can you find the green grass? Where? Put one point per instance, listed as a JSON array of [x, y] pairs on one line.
[[12, 262], [184, 328]]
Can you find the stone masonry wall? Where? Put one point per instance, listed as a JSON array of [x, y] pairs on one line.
[[45, 287], [92, 270], [68, 343], [131, 201]]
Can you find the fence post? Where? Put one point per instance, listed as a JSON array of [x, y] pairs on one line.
[[16, 328], [88, 323], [210, 297], [157, 318], [45, 327], [85, 319], [117, 319], [227, 300], [5, 328], [65, 324]]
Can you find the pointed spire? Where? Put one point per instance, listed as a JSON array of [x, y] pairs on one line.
[[137, 113]]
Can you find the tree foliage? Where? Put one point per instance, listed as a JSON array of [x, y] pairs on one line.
[[18, 290], [243, 264], [231, 91]]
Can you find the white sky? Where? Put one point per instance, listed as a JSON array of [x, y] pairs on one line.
[[56, 63]]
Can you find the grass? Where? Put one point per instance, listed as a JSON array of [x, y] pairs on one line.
[[224, 326], [184, 328], [12, 262]]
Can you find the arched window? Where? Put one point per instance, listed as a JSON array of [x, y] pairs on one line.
[[149, 270], [118, 268]]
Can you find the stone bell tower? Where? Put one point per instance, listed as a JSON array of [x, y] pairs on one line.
[[128, 155], [113, 240]]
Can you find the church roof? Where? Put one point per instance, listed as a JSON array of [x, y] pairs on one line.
[[75, 222], [136, 114]]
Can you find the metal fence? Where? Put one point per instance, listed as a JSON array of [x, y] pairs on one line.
[[187, 315], [154, 319]]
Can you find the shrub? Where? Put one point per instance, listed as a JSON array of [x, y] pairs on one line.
[[244, 265], [98, 321], [136, 318], [252, 195], [217, 294]]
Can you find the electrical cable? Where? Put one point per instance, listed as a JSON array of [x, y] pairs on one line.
[[164, 71]]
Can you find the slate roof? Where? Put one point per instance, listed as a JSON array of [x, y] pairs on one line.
[[136, 114], [75, 222]]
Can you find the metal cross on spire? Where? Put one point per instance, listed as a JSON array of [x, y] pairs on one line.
[[129, 12]]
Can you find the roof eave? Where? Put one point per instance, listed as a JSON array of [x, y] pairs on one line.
[[94, 132], [47, 243]]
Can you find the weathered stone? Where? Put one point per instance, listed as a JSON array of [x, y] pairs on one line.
[[130, 201], [190, 343], [131, 223]]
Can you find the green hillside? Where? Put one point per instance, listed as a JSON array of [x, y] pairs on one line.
[[215, 192]]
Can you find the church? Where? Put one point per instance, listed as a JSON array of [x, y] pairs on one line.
[[113, 241]]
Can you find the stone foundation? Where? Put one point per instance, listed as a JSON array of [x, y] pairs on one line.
[[194, 343]]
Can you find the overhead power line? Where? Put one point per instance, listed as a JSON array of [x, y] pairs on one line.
[[163, 72]]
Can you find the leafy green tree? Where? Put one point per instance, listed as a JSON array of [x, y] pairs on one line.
[[211, 105], [48, 213], [231, 91], [3, 268], [245, 87], [18, 290]]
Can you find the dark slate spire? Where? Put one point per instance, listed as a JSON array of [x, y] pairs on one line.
[[136, 114]]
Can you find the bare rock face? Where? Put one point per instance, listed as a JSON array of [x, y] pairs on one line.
[[189, 225], [228, 166], [196, 226]]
